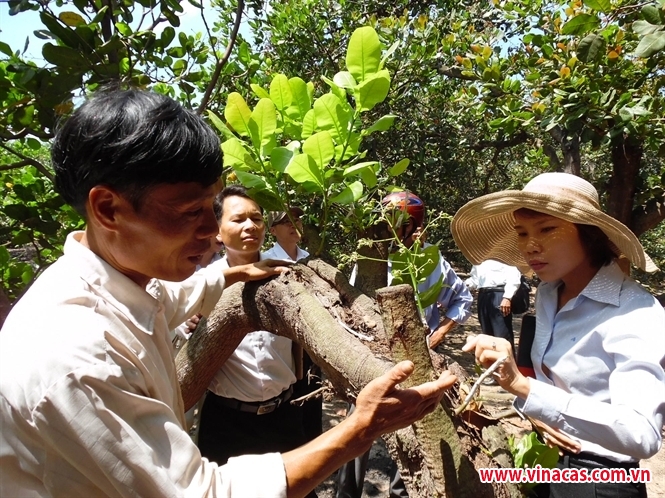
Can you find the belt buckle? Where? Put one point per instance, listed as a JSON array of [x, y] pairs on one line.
[[267, 408]]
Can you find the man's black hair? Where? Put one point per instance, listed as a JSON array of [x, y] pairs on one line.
[[130, 140], [234, 190]]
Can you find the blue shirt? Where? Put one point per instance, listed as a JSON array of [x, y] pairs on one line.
[[599, 366]]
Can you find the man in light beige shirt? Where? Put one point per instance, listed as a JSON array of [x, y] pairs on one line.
[[89, 400]]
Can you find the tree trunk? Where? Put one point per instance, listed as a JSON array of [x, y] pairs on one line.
[[626, 160], [314, 305]]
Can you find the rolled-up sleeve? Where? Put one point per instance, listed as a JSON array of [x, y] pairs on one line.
[[454, 297]]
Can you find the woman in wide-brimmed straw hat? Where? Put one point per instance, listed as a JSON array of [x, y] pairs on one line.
[[599, 387]]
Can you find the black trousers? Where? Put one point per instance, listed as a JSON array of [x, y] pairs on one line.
[[226, 432], [590, 490], [312, 410], [492, 321]]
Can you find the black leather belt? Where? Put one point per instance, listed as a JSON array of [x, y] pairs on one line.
[[590, 460], [258, 407], [491, 289]]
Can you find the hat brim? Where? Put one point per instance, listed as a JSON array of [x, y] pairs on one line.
[[484, 227]]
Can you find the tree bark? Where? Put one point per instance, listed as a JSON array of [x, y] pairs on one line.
[[314, 305], [626, 161]]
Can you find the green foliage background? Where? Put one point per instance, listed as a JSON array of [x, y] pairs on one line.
[[485, 97]]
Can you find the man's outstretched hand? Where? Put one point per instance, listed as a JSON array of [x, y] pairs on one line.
[[382, 406]]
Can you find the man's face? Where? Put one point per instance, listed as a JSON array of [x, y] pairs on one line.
[[242, 227], [286, 232], [168, 235]]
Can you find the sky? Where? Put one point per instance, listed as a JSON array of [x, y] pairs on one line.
[[15, 29]]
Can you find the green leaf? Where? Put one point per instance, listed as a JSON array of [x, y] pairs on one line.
[[237, 114], [340, 93], [651, 44], [580, 24], [280, 158], [236, 155], [599, 5], [651, 14], [301, 99], [399, 168], [6, 49], [303, 169], [383, 124], [344, 79], [356, 169], [259, 91], [645, 28], [308, 124], [430, 296], [350, 194], [590, 48], [251, 181], [71, 18], [368, 176], [219, 124], [267, 199], [373, 90], [364, 53], [65, 34], [167, 36], [280, 92], [63, 56], [262, 124], [321, 148], [4, 257], [388, 53], [330, 116]]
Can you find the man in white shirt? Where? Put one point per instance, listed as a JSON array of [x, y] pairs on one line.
[[90, 403], [288, 233], [496, 283], [247, 409]]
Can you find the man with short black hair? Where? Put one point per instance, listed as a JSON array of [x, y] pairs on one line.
[[90, 403]]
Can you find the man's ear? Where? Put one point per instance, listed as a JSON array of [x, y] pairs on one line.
[[272, 231], [106, 207]]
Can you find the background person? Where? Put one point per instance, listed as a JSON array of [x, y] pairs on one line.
[[454, 303], [247, 409], [496, 283], [599, 348], [286, 248], [90, 404]]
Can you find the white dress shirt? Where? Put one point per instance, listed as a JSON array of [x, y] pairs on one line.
[[90, 404], [603, 353], [260, 368], [492, 273]]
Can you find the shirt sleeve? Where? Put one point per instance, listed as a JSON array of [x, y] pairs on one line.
[[630, 423], [454, 297], [472, 282], [122, 443], [198, 294], [513, 281]]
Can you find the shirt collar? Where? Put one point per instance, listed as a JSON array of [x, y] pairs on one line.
[[117, 289], [604, 287]]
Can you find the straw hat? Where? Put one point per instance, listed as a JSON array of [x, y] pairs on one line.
[[484, 228]]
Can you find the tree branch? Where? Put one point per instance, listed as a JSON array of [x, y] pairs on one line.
[[222, 62], [29, 162], [520, 138], [648, 216]]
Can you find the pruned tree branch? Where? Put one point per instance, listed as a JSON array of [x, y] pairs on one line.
[[222, 62]]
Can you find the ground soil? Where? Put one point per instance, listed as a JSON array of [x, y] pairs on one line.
[[494, 399]]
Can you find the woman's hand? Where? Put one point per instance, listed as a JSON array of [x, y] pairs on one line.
[[488, 349]]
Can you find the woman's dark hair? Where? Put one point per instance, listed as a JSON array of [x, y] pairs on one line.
[[596, 245], [130, 140]]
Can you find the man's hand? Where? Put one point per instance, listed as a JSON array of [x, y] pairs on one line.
[[488, 349], [382, 406], [193, 322], [255, 271], [505, 306], [439, 334]]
